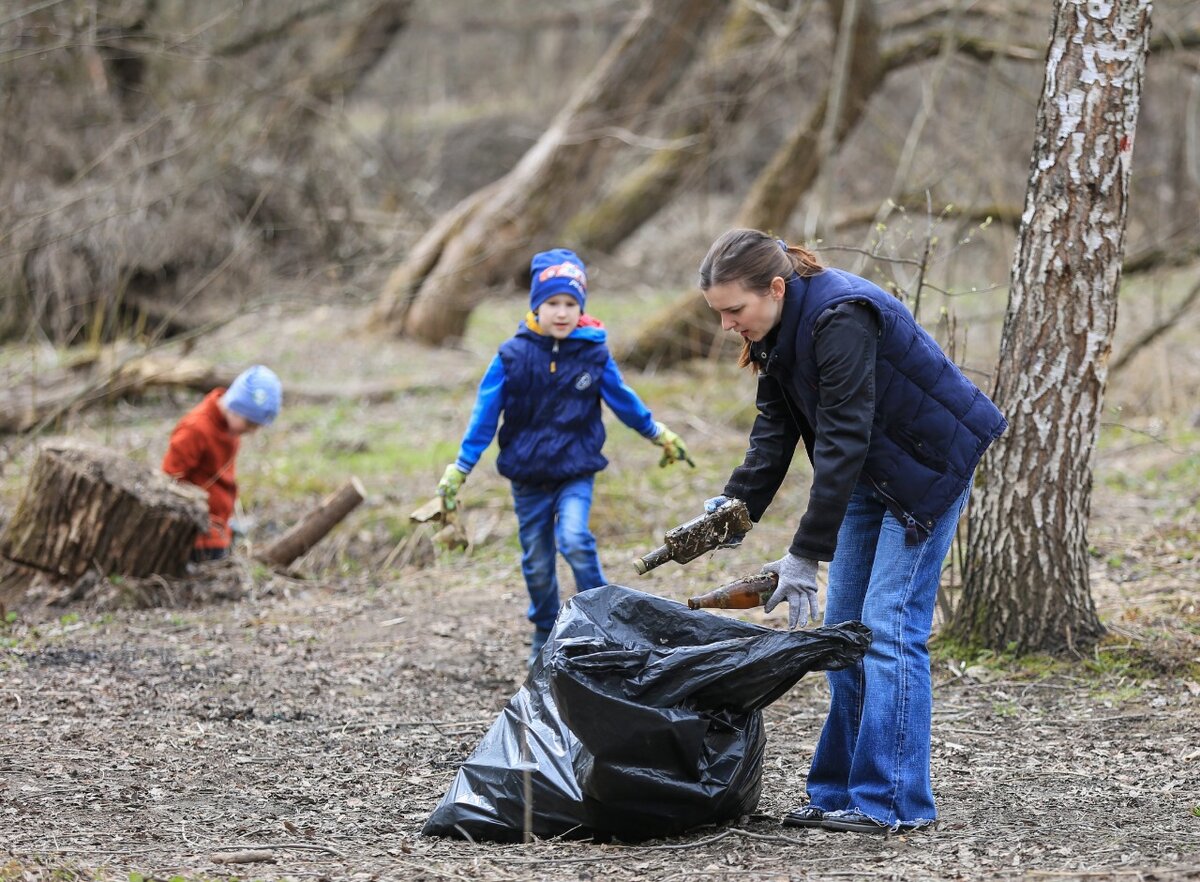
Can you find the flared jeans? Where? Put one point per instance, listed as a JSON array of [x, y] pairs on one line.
[[873, 753]]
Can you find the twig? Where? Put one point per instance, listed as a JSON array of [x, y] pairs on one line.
[[1155, 331], [874, 255], [267, 846], [1173, 872], [29, 11], [625, 850], [398, 724]]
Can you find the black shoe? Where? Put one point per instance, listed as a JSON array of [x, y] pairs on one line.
[[853, 822], [857, 822], [805, 816]]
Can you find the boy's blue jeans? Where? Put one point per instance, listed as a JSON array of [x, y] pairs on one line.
[[550, 519], [873, 753]]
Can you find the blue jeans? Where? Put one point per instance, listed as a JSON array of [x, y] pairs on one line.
[[551, 519], [204, 555], [873, 753]]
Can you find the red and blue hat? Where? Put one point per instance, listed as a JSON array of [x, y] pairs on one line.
[[557, 271]]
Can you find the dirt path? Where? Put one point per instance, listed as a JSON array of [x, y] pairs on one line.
[[322, 720], [324, 724]]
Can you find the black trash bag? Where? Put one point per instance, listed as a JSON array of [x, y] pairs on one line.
[[640, 719]]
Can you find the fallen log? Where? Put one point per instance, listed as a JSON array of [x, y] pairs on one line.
[[312, 529], [113, 374], [85, 507], [108, 375]]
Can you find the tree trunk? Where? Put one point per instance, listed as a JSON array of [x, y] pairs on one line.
[[404, 284], [1026, 583], [687, 328], [434, 300], [716, 102], [360, 49], [315, 525], [778, 190], [87, 507]]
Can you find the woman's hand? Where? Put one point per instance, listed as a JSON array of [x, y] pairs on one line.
[[797, 585], [711, 505]]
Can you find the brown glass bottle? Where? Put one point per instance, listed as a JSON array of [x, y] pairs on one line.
[[690, 540], [739, 594]]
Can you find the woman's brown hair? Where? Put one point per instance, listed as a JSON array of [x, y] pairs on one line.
[[752, 259]]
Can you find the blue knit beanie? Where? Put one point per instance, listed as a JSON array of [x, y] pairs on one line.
[[255, 394], [558, 271]]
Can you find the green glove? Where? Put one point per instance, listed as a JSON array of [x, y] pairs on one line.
[[674, 450], [452, 479]]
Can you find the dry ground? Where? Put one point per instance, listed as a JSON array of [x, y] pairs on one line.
[[321, 716]]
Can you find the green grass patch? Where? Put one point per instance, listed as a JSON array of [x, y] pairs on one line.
[[1128, 663], [328, 443]]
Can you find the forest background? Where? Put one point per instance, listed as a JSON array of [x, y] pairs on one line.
[[239, 182]]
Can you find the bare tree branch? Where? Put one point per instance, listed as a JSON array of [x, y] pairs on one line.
[[275, 30], [1156, 330]]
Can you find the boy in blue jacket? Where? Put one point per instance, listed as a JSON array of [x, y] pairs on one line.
[[548, 380]]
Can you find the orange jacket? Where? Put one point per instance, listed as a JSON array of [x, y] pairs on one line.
[[202, 451]]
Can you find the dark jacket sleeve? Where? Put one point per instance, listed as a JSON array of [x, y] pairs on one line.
[[773, 440], [844, 344]]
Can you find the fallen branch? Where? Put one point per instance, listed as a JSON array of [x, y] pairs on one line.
[[30, 407], [243, 857], [312, 529], [304, 846], [1156, 330]]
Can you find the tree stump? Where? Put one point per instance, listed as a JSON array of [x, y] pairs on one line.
[[86, 507]]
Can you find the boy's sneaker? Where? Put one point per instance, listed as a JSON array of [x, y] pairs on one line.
[[540, 636]]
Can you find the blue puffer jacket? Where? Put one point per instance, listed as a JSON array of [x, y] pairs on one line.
[[930, 426], [549, 393]]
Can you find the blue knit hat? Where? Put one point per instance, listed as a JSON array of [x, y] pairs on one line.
[[255, 394], [558, 271]]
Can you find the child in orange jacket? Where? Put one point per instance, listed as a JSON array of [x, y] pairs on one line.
[[204, 446]]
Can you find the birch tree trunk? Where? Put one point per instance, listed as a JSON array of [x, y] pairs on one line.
[[1026, 583], [491, 237]]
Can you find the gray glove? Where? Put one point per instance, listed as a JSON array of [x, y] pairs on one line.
[[711, 505], [797, 585]]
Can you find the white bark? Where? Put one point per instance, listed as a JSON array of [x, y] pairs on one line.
[[1027, 578]]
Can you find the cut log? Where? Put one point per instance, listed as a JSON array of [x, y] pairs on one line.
[[86, 507], [314, 526]]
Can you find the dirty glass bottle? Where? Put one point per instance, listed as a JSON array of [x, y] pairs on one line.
[[723, 526], [744, 593]]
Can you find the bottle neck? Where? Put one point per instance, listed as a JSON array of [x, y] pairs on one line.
[[655, 558]]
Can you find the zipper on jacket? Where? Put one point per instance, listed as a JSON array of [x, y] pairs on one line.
[[554, 358], [912, 527]]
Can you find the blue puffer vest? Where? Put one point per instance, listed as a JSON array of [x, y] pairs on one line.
[[931, 424], [552, 429]]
